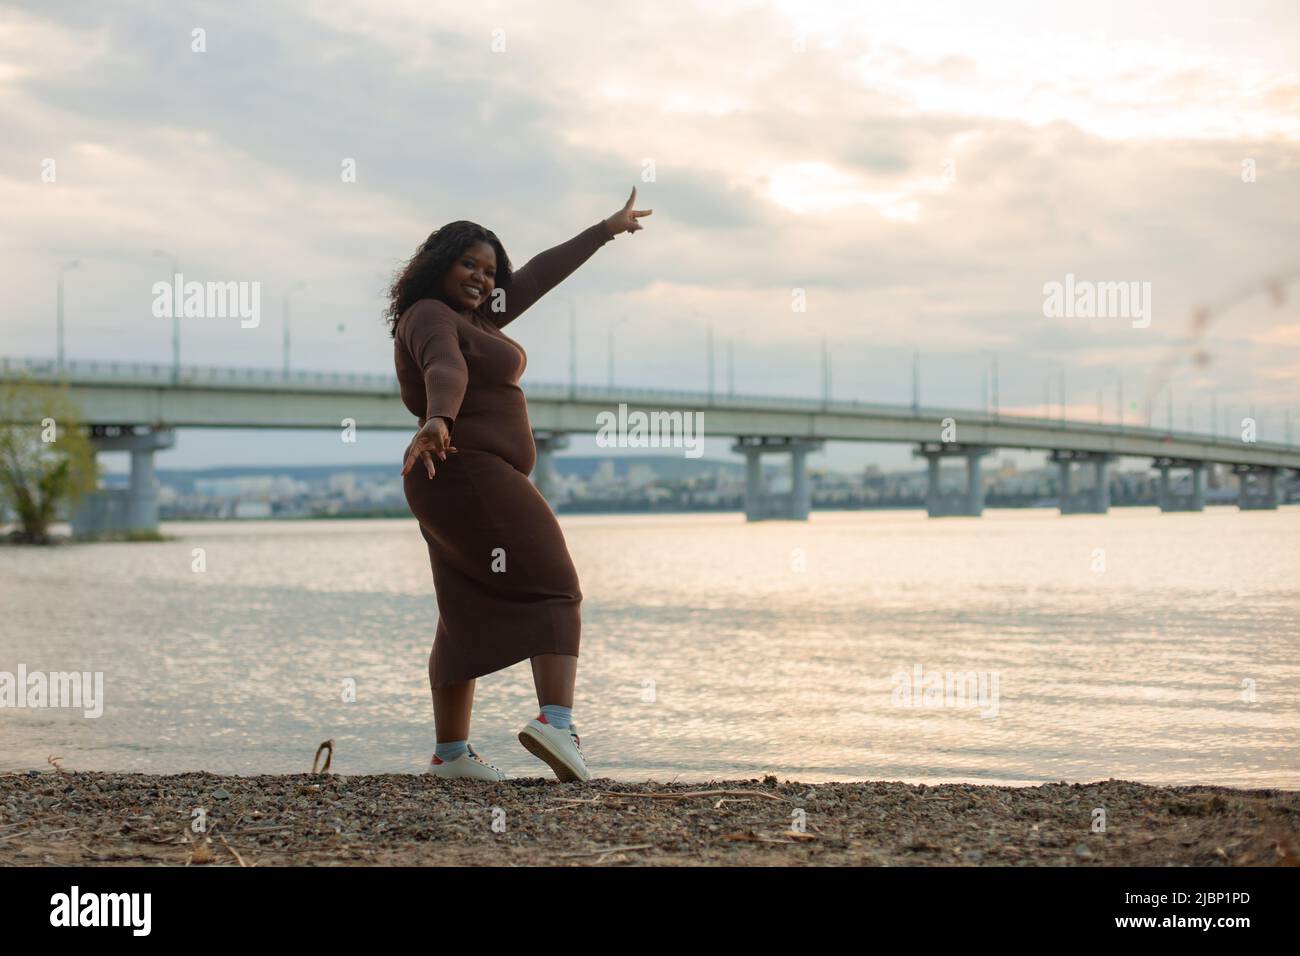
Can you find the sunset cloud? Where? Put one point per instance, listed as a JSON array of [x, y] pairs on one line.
[[919, 170]]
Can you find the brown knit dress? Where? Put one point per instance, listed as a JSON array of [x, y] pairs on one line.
[[506, 585]]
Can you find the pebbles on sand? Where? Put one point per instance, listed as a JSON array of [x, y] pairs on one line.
[[204, 819]]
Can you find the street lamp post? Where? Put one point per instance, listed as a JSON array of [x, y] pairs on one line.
[[826, 371], [1119, 398], [59, 314], [612, 326], [573, 341], [709, 351], [573, 349], [995, 387], [916, 380], [1063, 392], [296, 287], [178, 295]]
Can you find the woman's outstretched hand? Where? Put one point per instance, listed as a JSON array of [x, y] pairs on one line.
[[625, 220], [433, 438]]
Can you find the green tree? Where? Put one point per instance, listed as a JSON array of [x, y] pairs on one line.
[[45, 456]]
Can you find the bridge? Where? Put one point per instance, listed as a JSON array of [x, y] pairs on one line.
[[136, 407]]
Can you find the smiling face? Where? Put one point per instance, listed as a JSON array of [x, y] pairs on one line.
[[471, 278]]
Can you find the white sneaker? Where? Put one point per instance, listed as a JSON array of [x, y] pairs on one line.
[[466, 765], [559, 748]]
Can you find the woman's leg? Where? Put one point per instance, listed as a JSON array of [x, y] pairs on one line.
[[555, 676], [451, 708]]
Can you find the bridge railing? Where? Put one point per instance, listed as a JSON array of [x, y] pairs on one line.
[[164, 375], [82, 371], [964, 416]]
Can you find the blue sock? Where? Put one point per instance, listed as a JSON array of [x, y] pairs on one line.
[[557, 716], [451, 749]]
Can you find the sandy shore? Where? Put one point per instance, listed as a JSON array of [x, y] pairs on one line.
[[54, 818]]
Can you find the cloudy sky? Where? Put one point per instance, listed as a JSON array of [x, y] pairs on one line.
[[920, 170]]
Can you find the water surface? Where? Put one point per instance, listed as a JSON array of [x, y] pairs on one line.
[[1124, 645]]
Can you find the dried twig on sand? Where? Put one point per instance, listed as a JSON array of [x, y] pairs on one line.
[[748, 836], [606, 850], [328, 747], [573, 800], [232, 850], [697, 793], [34, 832]]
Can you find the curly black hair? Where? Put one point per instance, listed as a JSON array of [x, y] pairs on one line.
[[421, 277]]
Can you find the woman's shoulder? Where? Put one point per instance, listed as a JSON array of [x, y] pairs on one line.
[[427, 315], [432, 309]]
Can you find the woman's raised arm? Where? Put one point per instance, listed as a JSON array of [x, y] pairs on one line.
[[544, 271]]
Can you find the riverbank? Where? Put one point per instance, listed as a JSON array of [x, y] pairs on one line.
[[57, 818]]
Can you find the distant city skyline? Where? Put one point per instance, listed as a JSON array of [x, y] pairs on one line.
[[630, 482], [212, 448]]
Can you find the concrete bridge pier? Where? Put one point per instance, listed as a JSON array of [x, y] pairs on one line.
[[544, 476], [1192, 500], [970, 502], [759, 503], [1259, 488], [1097, 500], [755, 490], [135, 509]]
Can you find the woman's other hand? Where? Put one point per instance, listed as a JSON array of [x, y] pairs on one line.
[[625, 220], [433, 438]]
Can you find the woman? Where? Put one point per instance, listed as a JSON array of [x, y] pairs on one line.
[[507, 589]]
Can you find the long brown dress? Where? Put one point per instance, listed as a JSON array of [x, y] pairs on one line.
[[506, 585]]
